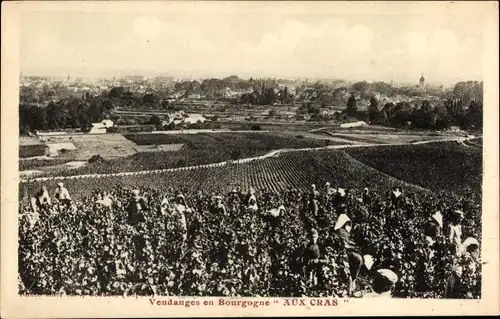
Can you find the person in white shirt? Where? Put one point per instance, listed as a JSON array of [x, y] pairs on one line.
[[104, 199], [328, 190], [252, 200], [62, 194], [180, 208], [181, 205], [455, 230], [466, 263]]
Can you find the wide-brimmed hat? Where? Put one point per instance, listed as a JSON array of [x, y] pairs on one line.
[[388, 274]]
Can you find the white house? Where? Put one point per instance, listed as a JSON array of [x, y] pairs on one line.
[[98, 128], [194, 118], [183, 118], [353, 124], [107, 123]]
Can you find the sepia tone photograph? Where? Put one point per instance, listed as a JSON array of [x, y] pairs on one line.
[[313, 155]]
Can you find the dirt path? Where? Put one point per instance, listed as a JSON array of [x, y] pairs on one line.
[[241, 161]]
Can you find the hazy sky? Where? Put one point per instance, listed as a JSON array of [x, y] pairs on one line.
[[283, 40]]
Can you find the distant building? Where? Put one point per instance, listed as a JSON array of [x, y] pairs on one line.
[[422, 82], [183, 118], [101, 127], [353, 124]]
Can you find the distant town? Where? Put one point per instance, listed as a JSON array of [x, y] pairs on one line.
[[161, 103]]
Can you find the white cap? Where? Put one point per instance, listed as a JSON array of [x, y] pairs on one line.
[[467, 243], [327, 184], [60, 184], [343, 218], [438, 217], [396, 192], [341, 191], [135, 192], [389, 275], [274, 212], [368, 259]]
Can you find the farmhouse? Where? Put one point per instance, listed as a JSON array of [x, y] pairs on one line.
[[101, 127], [38, 133], [183, 118]]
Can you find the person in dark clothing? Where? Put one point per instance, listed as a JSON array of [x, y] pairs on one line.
[[313, 200], [433, 227], [219, 208], [354, 258], [136, 209], [367, 199], [396, 197], [312, 258]]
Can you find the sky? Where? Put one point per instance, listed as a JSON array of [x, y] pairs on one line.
[[317, 40]]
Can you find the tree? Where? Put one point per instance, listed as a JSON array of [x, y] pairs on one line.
[[116, 92], [361, 87], [95, 112], [351, 109], [150, 99], [373, 112], [55, 116], [155, 120], [475, 114], [268, 97]]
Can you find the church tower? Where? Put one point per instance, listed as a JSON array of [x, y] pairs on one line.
[[422, 82]]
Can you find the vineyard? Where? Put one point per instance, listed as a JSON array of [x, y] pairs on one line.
[[297, 170], [198, 149], [26, 151], [445, 166]]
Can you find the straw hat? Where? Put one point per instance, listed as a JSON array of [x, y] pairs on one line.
[[389, 275]]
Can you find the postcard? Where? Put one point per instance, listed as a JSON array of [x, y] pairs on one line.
[[219, 158]]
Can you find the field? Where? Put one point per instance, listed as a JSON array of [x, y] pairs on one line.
[[198, 149], [26, 151], [446, 166], [298, 169], [476, 143], [386, 138]]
